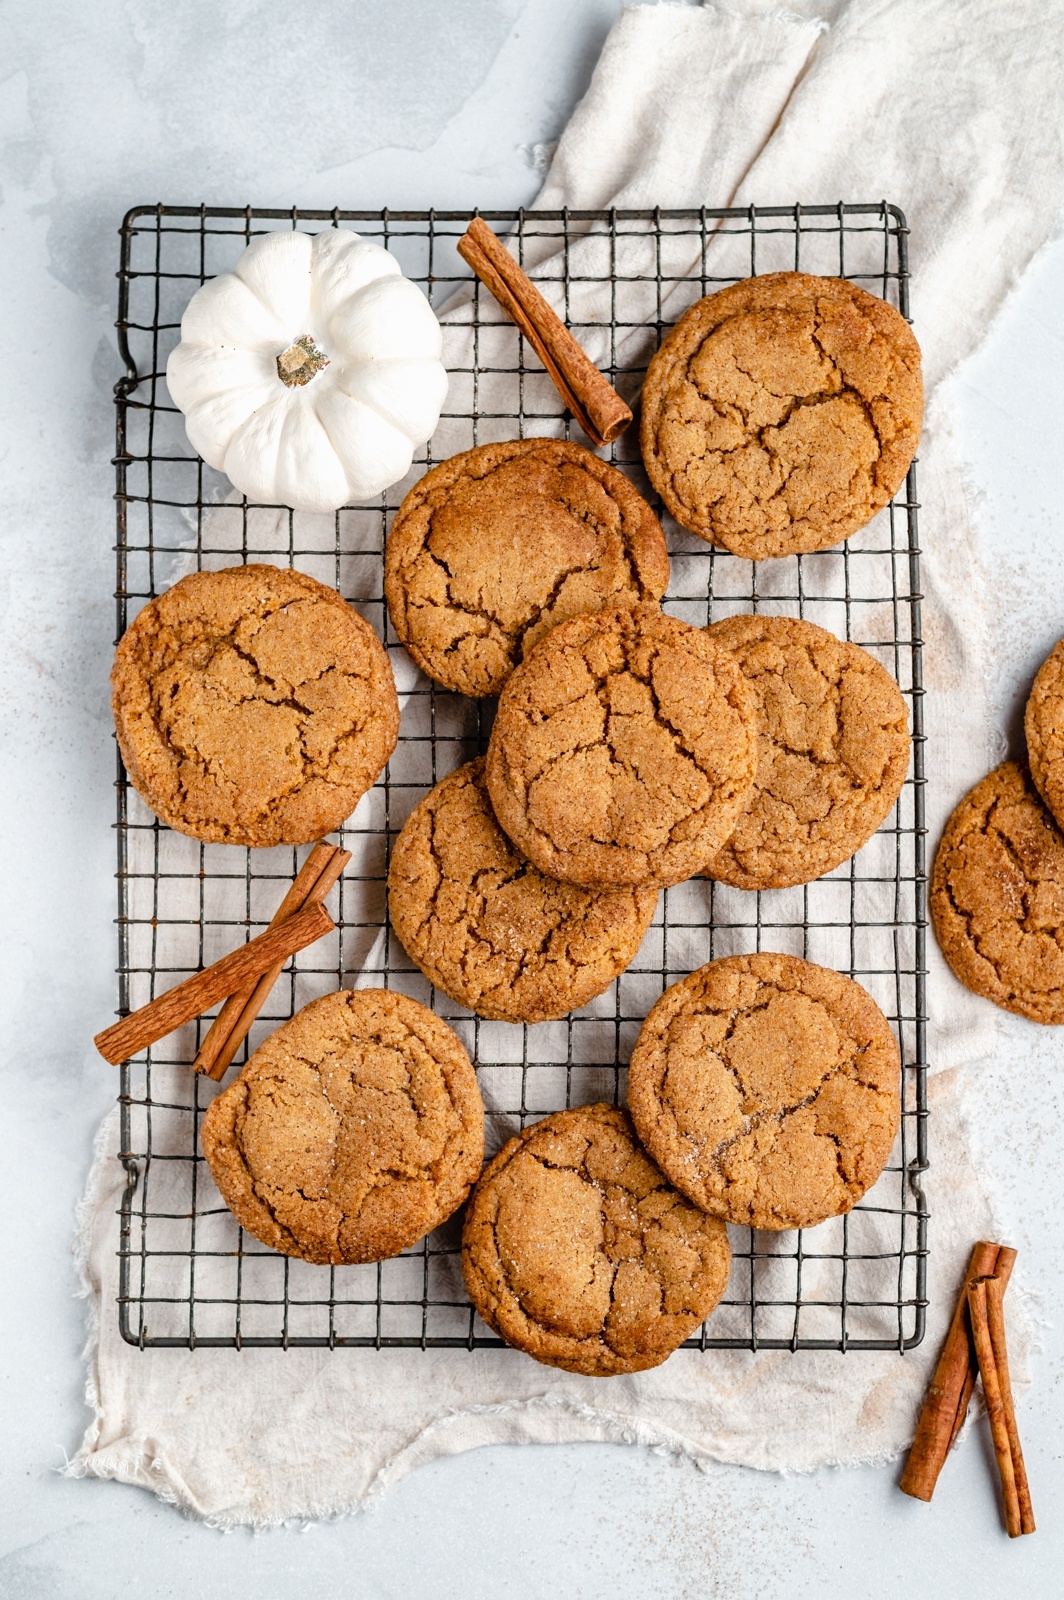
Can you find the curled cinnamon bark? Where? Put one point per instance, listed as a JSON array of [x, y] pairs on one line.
[[1002, 1270], [975, 1343], [995, 1407], [950, 1389], [988, 1329], [231, 1026], [198, 993], [597, 407]]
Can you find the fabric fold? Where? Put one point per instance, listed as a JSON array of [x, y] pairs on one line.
[[681, 98]]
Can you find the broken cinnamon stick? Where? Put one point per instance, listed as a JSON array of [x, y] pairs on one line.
[[320, 871], [597, 407], [950, 1389], [995, 1317], [198, 993], [995, 1408]]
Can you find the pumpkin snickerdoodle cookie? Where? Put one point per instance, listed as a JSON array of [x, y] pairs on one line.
[[253, 706], [577, 1251], [780, 414], [495, 546], [488, 928], [767, 1090], [1044, 727], [997, 896], [353, 1130], [624, 749], [833, 752]]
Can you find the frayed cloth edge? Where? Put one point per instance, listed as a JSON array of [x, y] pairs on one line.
[[573, 1421]]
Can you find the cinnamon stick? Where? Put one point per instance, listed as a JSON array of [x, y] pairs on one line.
[[198, 993], [950, 1389], [294, 900], [1002, 1269], [597, 407], [995, 1291], [995, 1408], [214, 1060]]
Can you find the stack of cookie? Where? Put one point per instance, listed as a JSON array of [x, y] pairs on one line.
[[763, 1091], [997, 888], [630, 751]]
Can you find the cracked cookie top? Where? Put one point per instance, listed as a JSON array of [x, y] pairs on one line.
[[253, 706], [352, 1131], [997, 896], [489, 929], [624, 749], [767, 1090], [577, 1251], [495, 546], [833, 752], [1044, 727], [779, 415]]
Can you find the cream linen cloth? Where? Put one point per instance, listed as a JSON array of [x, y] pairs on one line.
[[951, 111]]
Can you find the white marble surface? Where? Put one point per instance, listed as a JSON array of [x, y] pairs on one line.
[[404, 102]]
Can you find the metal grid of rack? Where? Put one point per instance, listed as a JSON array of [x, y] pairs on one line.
[[188, 1275]]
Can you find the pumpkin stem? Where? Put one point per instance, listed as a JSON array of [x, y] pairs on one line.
[[298, 364]]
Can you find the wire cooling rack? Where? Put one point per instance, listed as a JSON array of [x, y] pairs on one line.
[[188, 1275]]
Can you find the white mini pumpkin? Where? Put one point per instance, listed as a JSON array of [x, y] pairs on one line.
[[310, 372]]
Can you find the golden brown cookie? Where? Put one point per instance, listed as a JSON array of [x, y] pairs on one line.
[[833, 752], [489, 929], [495, 546], [624, 749], [767, 1090], [997, 896], [577, 1251], [1044, 726], [353, 1130], [781, 414], [253, 706]]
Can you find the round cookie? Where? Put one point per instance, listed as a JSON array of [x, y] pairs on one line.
[[779, 415], [489, 929], [1044, 726], [495, 546], [253, 706], [576, 1250], [767, 1090], [997, 896], [624, 749], [352, 1131], [832, 758]]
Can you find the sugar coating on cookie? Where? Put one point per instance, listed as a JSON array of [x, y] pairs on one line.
[[577, 1251], [495, 546], [780, 414], [624, 749], [1044, 727], [487, 927], [997, 896], [253, 706], [767, 1090], [352, 1131], [832, 756]]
